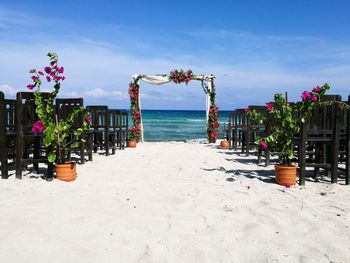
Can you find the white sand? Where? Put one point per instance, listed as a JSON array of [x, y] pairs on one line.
[[173, 202]]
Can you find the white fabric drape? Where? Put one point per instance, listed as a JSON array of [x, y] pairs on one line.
[[157, 80], [160, 79]]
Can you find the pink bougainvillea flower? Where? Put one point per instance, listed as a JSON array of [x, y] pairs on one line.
[[63, 78], [87, 119], [269, 106], [47, 70], [30, 86], [263, 145], [316, 89], [48, 78], [38, 127], [306, 95], [40, 73], [314, 98], [60, 70], [34, 78], [33, 70]]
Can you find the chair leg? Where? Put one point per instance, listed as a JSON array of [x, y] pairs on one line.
[[259, 154], [302, 162], [82, 152], [247, 142], [19, 153], [267, 157], [107, 143], [89, 146], [4, 167], [334, 169], [36, 153]]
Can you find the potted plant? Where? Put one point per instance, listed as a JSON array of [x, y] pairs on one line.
[[224, 144], [132, 135], [57, 134], [285, 120]]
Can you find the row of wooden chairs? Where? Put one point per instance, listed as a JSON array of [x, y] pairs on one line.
[[323, 141], [20, 147]]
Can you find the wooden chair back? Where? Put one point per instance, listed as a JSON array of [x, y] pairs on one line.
[[64, 107]]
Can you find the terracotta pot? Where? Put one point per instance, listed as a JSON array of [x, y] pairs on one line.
[[132, 144], [224, 144], [286, 175], [66, 172]]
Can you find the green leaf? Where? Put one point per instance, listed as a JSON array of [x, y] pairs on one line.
[[51, 157]]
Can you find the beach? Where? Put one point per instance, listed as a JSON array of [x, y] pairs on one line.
[[173, 202]]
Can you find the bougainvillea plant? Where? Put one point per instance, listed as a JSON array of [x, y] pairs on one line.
[[56, 133], [285, 120], [179, 76]]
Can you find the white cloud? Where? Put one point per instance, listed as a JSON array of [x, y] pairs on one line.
[[8, 90]]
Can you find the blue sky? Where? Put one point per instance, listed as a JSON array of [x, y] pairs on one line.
[[254, 48]]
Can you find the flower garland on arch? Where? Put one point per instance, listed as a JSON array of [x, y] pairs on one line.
[[134, 132], [177, 76], [213, 116]]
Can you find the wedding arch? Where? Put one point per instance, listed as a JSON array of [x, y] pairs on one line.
[[176, 76]]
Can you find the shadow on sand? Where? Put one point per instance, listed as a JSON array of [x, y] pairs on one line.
[[266, 176]]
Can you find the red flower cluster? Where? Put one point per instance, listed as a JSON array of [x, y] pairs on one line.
[[135, 115], [213, 123], [181, 76], [133, 91]]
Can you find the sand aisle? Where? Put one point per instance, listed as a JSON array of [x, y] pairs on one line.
[[172, 202]]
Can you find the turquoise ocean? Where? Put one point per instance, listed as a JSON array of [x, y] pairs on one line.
[[176, 125]]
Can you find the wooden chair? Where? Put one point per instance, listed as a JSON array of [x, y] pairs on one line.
[[10, 133], [29, 148], [239, 123], [319, 135], [103, 134], [230, 129], [3, 138], [252, 130], [64, 107], [344, 141], [119, 124]]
